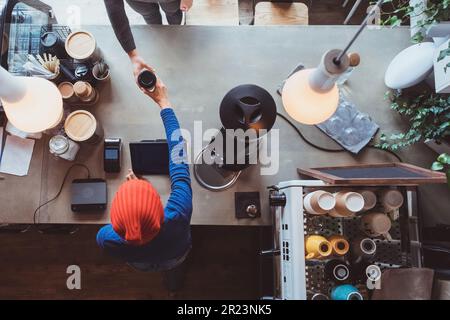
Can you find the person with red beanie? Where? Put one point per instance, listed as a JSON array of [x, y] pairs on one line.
[[142, 232]]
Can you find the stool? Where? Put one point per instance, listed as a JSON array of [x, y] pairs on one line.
[[213, 13], [281, 13]]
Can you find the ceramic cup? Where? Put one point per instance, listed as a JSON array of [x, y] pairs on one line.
[[373, 272], [345, 292], [376, 224], [319, 296], [319, 202], [337, 270], [347, 204], [363, 248], [339, 245], [370, 199], [391, 199], [317, 247]]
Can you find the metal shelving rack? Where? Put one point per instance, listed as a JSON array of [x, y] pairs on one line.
[[296, 278]]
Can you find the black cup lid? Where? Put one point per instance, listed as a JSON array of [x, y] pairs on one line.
[[147, 79], [248, 106], [49, 39]]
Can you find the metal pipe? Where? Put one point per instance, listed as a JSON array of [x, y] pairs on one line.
[[361, 28]]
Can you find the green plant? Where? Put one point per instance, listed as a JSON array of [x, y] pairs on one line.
[[442, 163], [428, 115], [444, 53], [434, 12]]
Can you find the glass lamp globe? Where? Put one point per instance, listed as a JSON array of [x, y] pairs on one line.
[[306, 104], [31, 104]]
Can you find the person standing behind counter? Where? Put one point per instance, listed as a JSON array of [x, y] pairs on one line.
[[142, 233], [149, 9]]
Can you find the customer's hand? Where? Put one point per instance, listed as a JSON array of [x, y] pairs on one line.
[[138, 63], [131, 175], [160, 95], [185, 5]]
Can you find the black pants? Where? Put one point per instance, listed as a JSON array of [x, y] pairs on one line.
[[152, 15]]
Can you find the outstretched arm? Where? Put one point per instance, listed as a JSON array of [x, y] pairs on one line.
[[179, 204], [121, 25]]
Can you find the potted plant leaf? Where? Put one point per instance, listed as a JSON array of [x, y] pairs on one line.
[[442, 163], [423, 16], [428, 115]]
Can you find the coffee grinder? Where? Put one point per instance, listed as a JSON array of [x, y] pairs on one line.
[[247, 112]]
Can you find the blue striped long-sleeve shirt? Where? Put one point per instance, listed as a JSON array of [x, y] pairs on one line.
[[174, 238]]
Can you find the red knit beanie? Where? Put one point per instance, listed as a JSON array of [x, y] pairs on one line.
[[137, 213]]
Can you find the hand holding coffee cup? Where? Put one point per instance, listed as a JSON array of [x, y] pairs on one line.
[[317, 247], [319, 202], [160, 95], [138, 64], [347, 204], [376, 224]]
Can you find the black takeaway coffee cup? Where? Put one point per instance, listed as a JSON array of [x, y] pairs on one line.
[[147, 80]]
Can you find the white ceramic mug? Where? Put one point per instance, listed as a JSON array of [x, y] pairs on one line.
[[319, 202], [347, 204]]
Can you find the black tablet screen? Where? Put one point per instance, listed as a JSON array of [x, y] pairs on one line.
[[150, 157]]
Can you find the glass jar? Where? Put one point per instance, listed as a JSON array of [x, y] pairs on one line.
[[63, 147]]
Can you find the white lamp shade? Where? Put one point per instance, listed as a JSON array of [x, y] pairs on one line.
[[306, 105], [38, 109]]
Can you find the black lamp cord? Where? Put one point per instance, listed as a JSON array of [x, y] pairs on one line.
[[60, 189], [302, 136]]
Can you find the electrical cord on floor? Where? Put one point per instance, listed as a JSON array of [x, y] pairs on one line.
[[60, 189], [302, 136]]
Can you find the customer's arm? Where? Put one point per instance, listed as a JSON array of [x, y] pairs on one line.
[[180, 200], [121, 26]]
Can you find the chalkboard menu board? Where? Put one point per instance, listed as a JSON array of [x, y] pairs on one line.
[[375, 174]]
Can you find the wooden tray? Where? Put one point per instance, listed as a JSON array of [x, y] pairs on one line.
[[375, 174]]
